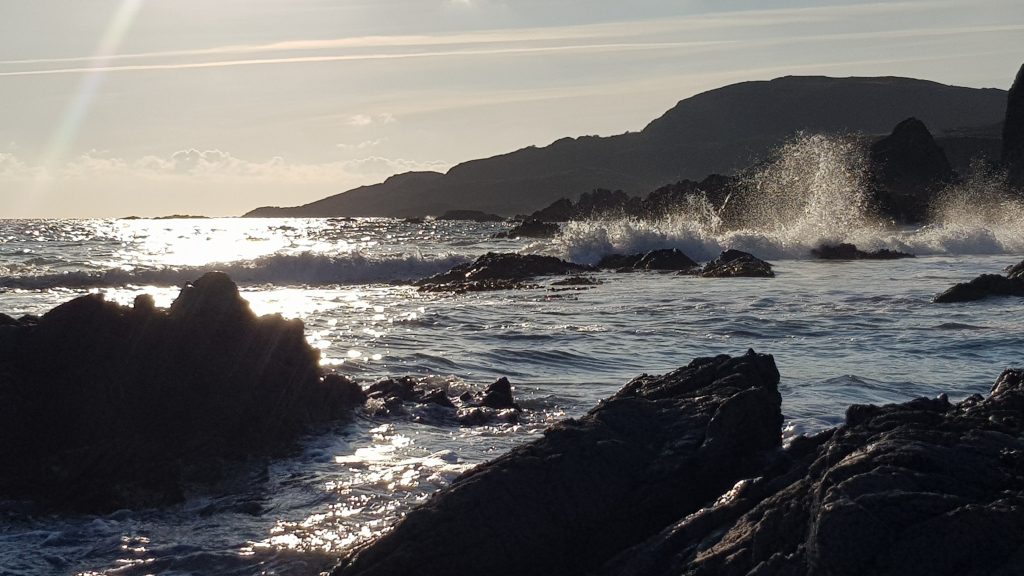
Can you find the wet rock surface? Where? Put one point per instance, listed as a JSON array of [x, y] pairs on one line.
[[104, 406], [666, 259], [499, 271], [735, 264], [985, 286], [403, 397], [659, 449], [682, 474], [846, 251]]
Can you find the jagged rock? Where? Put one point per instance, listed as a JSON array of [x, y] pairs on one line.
[[735, 263], [496, 271], [921, 488], [665, 259], [1016, 271], [907, 169], [658, 450], [104, 406], [531, 229], [470, 215], [851, 252], [982, 287], [1013, 132]]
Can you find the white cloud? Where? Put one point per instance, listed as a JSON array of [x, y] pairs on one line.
[[360, 120], [364, 145]]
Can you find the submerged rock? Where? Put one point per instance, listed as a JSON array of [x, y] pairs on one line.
[[104, 406], [986, 285], [531, 229], [665, 259], [498, 271], [736, 263], [845, 251], [658, 450]]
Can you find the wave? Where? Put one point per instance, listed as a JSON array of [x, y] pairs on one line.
[[305, 268], [815, 191]]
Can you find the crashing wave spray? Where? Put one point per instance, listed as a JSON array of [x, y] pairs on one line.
[[812, 191]]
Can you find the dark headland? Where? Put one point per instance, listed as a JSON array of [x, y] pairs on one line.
[[721, 131]]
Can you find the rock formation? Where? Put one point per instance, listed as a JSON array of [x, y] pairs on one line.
[[986, 285], [683, 474], [735, 264], [497, 271], [104, 406], [658, 450], [665, 259], [845, 251], [531, 228], [470, 215], [1013, 133], [907, 169]]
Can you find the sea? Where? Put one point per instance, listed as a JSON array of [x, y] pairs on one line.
[[841, 333]]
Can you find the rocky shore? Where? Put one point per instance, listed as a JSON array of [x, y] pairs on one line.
[[684, 474]]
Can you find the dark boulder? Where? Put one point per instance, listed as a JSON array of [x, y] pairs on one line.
[[531, 229], [494, 271], [982, 287], [470, 215], [907, 169], [735, 264], [1016, 271], [923, 488], [106, 406], [851, 252], [660, 449], [1013, 133], [577, 281], [665, 259], [406, 396]]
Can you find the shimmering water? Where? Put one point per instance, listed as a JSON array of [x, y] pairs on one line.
[[841, 333]]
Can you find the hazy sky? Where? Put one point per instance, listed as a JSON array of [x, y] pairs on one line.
[[149, 107]]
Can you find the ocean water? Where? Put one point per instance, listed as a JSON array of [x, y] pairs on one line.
[[841, 333]]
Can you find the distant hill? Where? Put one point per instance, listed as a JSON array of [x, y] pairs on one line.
[[719, 131]]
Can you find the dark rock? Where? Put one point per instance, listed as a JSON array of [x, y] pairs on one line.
[[1016, 271], [438, 397], [470, 215], [577, 281], [660, 449], [531, 229], [561, 210], [106, 407], [499, 395], [484, 416], [665, 259], [413, 220], [851, 252], [982, 287], [1013, 133], [735, 263], [907, 169], [499, 271], [921, 488]]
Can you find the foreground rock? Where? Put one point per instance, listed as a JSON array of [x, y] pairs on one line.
[[1013, 133], [658, 450], [104, 406], [986, 285], [851, 252], [666, 259], [498, 271], [736, 264], [922, 488], [682, 475]]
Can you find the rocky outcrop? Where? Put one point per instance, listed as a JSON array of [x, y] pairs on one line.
[[406, 396], [1013, 133], [658, 450], [845, 251], [104, 406], [987, 285], [735, 264], [923, 488], [907, 169], [470, 215], [665, 259], [497, 271], [531, 229]]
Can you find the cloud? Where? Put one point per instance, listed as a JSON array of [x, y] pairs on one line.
[[364, 145], [360, 120]]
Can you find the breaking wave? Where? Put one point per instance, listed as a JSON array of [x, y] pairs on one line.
[[813, 191], [306, 268]]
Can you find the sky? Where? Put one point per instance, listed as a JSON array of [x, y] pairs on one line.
[[111, 108]]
